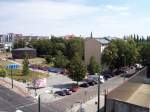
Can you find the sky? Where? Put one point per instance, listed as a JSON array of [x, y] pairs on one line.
[[78, 17]]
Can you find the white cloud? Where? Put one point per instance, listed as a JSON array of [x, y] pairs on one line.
[[50, 17], [122, 10], [116, 8], [47, 9]]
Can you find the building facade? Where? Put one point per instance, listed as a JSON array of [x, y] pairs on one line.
[[94, 47], [6, 41], [21, 52]]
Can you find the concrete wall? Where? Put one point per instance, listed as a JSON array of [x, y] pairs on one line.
[[114, 105], [119, 106], [92, 48], [140, 77]]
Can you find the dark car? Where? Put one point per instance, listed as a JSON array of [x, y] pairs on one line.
[[84, 85], [67, 91], [106, 76], [91, 83], [61, 93]]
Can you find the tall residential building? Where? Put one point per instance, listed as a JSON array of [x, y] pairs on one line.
[[94, 47], [6, 41]]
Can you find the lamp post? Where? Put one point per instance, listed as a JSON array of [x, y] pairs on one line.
[[39, 100], [98, 104], [124, 64], [39, 103]]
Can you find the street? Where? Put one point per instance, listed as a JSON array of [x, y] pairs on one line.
[[67, 102]]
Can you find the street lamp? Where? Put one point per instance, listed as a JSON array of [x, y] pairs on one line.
[[98, 105], [39, 100], [124, 63]]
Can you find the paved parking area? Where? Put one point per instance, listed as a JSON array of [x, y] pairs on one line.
[[80, 96]]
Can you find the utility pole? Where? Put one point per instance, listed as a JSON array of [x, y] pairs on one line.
[[105, 100], [39, 104], [98, 104]]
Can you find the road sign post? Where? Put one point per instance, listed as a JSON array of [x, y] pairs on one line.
[[11, 67], [12, 82]]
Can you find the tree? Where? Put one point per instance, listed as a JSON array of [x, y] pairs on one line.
[[43, 47], [25, 63], [49, 59], [145, 55], [60, 60], [120, 53], [19, 44], [93, 67], [110, 55], [74, 46], [3, 72], [77, 68]]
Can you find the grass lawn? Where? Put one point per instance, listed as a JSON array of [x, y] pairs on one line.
[[17, 74], [5, 54], [37, 60]]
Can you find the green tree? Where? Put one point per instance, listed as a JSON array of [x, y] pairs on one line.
[[43, 47], [110, 55], [77, 68], [120, 53], [74, 46], [60, 60], [145, 55], [25, 63], [93, 67], [49, 59], [3, 72], [19, 44]]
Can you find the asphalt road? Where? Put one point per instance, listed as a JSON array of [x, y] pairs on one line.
[[83, 95], [11, 101]]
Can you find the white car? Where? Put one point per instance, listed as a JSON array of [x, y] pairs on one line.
[[102, 79], [95, 77]]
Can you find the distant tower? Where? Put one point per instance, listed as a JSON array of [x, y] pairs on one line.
[[91, 35]]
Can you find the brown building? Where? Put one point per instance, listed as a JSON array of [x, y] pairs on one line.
[[94, 47], [21, 52], [69, 37]]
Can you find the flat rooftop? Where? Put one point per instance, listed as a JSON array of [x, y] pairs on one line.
[[132, 92]]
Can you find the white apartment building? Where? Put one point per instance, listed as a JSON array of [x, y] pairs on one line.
[[6, 41]]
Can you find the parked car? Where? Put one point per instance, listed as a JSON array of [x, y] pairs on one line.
[[61, 93], [102, 79], [84, 85], [67, 91], [91, 81], [74, 89], [138, 66], [107, 74]]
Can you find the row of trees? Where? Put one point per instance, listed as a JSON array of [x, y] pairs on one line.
[[62, 53], [126, 52], [58, 50]]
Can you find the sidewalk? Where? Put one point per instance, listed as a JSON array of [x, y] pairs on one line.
[[89, 106], [19, 88]]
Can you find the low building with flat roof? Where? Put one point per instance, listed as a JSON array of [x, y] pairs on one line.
[[21, 52], [131, 96]]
